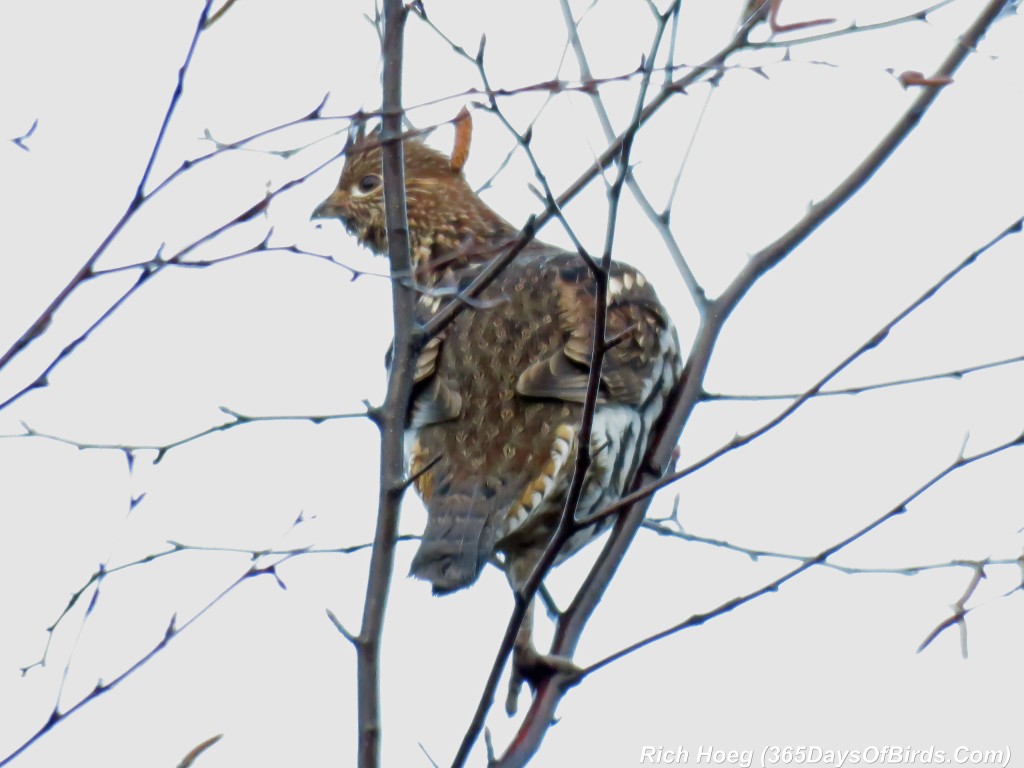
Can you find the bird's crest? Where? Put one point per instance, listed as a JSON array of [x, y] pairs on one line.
[[463, 135], [356, 132]]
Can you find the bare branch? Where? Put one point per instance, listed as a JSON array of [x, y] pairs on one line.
[[960, 611], [676, 532], [610, 155], [19, 141], [43, 321], [220, 12], [148, 269], [773, 586], [659, 221], [341, 628], [853, 28], [177, 547], [88, 271], [683, 401], [236, 420], [396, 405], [102, 687], [876, 339], [959, 373], [43, 379], [537, 720]]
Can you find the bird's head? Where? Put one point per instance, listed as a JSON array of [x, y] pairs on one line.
[[444, 213], [358, 200]]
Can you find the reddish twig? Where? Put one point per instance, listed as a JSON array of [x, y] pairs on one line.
[[189, 760], [960, 611]]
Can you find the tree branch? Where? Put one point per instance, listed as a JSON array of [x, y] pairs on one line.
[[876, 339], [773, 586], [683, 401], [391, 418], [236, 420], [536, 723], [959, 373], [43, 321]]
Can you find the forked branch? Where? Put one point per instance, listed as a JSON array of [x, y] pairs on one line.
[[572, 623]]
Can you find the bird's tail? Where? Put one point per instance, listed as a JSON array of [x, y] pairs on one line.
[[459, 538]]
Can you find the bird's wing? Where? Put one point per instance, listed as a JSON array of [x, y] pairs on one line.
[[638, 330], [435, 398]]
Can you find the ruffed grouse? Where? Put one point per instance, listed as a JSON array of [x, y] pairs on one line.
[[498, 394]]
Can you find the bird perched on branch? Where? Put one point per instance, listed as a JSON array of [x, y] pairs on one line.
[[499, 392]]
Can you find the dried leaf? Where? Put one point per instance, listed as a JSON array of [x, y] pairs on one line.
[[190, 758], [910, 78]]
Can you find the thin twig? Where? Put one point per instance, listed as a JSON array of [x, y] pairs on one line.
[[177, 547], [683, 401], [236, 420], [43, 379], [659, 527], [659, 222], [220, 12], [151, 267], [959, 373], [19, 141], [960, 611], [189, 760], [821, 557], [531, 731], [172, 631], [876, 339], [42, 322], [853, 28], [610, 155]]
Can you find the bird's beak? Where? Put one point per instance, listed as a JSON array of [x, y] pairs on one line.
[[331, 208]]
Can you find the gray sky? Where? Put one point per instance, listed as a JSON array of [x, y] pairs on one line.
[[829, 661]]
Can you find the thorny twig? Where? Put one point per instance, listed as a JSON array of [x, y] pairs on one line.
[[960, 611], [959, 373], [176, 548], [236, 420], [46, 317], [659, 221], [875, 339], [173, 630], [681, 404], [532, 729], [773, 586], [662, 529]]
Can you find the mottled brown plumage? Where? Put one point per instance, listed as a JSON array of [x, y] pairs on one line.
[[498, 394]]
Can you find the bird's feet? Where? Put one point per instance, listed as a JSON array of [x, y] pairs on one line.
[[533, 667]]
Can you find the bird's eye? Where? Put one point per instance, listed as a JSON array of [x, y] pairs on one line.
[[367, 184]]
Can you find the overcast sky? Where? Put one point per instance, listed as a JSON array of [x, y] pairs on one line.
[[829, 661]]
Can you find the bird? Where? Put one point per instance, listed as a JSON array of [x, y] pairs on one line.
[[499, 392]]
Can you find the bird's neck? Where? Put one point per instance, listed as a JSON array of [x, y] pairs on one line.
[[458, 239]]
